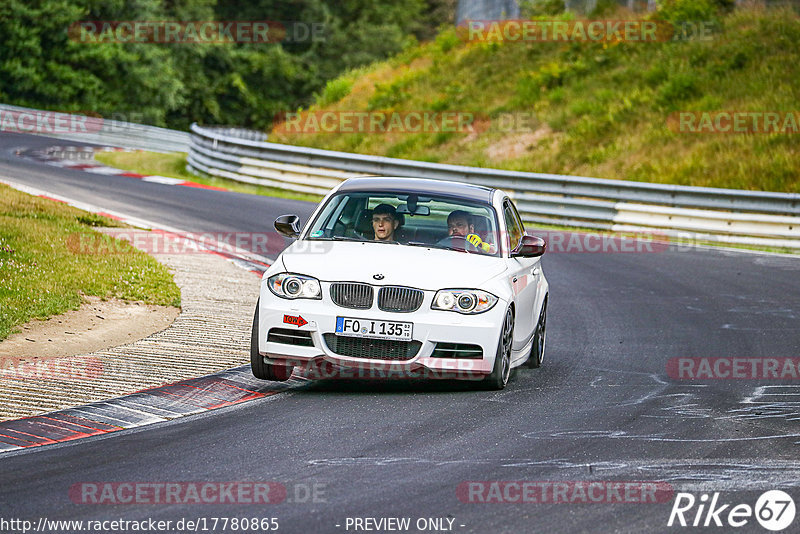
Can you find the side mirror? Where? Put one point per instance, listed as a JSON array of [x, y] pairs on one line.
[[529, 247], [288, 225]]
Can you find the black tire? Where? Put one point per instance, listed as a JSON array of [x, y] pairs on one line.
[[261, 370], [502, 362], [539, 340]]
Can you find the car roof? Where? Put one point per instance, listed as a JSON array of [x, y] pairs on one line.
[[420, 186]]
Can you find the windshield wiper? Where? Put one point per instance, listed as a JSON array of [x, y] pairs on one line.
[[336, 238], [433, 245]]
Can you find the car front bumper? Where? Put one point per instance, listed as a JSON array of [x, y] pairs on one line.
[[430, 327]]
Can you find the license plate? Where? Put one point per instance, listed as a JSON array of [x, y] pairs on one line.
[[355, 327]]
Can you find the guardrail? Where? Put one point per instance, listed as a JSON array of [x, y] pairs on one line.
[[88, 129], [698, 213]]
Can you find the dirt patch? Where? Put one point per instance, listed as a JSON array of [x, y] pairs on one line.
[[211, 334], [515, 146], [98, 324]]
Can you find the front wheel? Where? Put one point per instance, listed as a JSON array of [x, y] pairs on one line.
[[502, 361], [539, 338], [265, 371]]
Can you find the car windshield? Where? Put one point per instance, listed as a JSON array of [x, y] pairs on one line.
[[408, 219]]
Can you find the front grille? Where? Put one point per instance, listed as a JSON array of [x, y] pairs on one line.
[[457, 350], [373, 349], [290, 337], [399, 299], [352, 295]]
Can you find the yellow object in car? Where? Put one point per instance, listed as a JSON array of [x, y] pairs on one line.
[[477, 242]]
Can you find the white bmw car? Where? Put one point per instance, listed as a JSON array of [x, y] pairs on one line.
[[404, 277]]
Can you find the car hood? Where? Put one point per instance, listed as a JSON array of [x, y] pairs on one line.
[[420, 267]]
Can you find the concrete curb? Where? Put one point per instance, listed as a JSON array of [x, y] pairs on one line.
[[154, 405], [211, 334]]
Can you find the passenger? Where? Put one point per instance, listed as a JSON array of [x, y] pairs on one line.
[[384, 222]]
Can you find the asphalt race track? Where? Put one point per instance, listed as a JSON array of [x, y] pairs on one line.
[[602, 408]]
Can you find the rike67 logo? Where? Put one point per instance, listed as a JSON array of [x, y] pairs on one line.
[[774, 510]]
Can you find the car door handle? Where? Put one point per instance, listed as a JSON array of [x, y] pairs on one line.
[[515, 280], [535, 271]]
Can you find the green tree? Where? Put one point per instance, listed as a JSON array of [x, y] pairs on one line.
[[43, 64]]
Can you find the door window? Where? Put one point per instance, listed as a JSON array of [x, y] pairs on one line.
[[513, 226]]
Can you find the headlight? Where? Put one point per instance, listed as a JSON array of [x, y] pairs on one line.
[[467, 301], [294, 286]]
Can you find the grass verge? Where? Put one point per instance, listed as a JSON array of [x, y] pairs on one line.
[[173, 165], [42, 276]]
